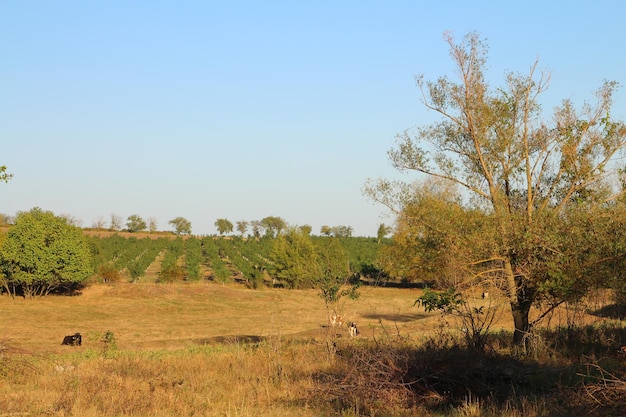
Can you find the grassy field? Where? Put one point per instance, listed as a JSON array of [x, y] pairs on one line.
[[158, 316], [194, 349], [206, 349]]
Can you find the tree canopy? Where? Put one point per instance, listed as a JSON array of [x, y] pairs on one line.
[[273, 225], [41, 253], [295, 259], [242, 227], [532, 178], [223, 226], [136, 224], [181, 226]]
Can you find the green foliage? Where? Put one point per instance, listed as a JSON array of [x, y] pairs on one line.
[[475, 321], [446, 301], [135, 224], [171, 270], [223, 226], [130, 254], [242, 227], [215, 261], [109, 273], [383, 231], [295, 259], [42, 253], [250, 260], [306, 229], [4, 176], [524, 179], [193, 257], [273, 225], [336, 280], [181, 226]]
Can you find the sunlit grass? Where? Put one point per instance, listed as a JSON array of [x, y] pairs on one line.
[[206, 349]]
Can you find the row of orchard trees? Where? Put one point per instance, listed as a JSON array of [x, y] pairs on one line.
[[43, 253], [271, 226], [135, 224]]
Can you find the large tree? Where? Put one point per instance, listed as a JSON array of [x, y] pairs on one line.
[[41, 253], [529, 174]]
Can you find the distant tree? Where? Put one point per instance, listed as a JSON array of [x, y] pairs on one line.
[[273, 225], [152, 224], [383, 231], [99, 223], [4, 176], [5, 219], [42, 253], [326, 230], [306, 229], [116, 222], [256, 228], [242, 227], [135, 224], [74, 221], [341, 231], [223, 226], [181, 226]]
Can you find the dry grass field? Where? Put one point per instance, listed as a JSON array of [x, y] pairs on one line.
[[161, 316], [188, 349], [199, 349]]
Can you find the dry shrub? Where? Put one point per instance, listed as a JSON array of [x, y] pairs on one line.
[[372, 377], [395, 376]]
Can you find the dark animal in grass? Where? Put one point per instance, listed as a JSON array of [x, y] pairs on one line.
[[73, 340], [354, 331]]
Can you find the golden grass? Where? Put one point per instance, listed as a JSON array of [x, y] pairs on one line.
[[149, 316], [181, 349], [199, 349]]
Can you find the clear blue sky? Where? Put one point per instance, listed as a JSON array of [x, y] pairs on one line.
[[241, 109]]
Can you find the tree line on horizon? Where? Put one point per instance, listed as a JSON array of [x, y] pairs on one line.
[[268, 226]]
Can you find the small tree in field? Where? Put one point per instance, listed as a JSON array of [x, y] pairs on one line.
[[42, 253], [335, 281]]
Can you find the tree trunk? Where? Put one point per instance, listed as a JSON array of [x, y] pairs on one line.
[[520, 302], [520, 320]]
